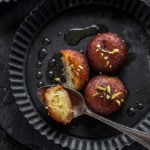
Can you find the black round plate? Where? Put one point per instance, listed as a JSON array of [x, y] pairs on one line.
[[129, 19]]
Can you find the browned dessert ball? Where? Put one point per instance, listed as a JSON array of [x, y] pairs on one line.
[[105, 95], [106, 53], [76, 68]]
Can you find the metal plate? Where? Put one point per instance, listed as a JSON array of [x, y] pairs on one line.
[[46, 20]]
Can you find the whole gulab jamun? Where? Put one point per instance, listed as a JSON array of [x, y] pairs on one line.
[[106, 53], [105, 95]]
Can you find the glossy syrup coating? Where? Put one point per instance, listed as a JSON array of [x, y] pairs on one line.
[[105, 95], [106, 53]]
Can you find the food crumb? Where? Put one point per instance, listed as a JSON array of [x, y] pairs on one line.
[[57, 79]]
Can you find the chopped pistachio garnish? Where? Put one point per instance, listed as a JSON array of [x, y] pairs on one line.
[[56, 94], [78, 69], [108, 89], [57, 79], [98, 46], [118, 102], [110, 66], [46, 107], [101, 88], [107, 96], [104, 50], [72, 65], [95, 94], [107, 63], [106, 57], [102, 54], [116, 50], [77, 73], [115, 95], [81, 67], [122, 100]]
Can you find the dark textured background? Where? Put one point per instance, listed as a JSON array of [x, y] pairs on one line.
[[11, 15], [8, 143]]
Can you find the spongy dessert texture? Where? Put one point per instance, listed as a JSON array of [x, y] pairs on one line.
[[75, 68], [69, 74], [59, 104]]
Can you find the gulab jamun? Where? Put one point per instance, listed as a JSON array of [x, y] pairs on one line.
[[58, 104], [106, 53], [76, 68], [105, 95]]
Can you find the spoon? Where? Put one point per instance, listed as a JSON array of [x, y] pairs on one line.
[[80, 108]]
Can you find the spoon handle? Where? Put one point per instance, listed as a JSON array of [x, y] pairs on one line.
[[139, 136]]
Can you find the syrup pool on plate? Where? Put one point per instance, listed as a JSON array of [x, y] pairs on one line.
[[74, 35]]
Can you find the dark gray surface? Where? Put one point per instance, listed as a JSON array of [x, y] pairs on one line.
[[8, 143], [10, 17]]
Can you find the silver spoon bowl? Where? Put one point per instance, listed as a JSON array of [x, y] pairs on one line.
[[80, 108]]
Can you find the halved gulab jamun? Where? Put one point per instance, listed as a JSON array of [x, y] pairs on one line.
[[76, 68]]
